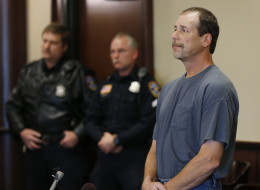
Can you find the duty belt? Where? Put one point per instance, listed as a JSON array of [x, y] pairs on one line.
[[51, 139]]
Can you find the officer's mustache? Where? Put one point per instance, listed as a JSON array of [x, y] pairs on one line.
[[115, 60]]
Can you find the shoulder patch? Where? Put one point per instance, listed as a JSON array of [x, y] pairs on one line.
[[154, 88], [91, 82], [106, 89]]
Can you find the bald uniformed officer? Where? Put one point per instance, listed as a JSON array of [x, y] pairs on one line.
[[120, 119]]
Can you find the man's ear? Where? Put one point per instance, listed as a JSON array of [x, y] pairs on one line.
[[135, 55], [206, 40], [65, 47]]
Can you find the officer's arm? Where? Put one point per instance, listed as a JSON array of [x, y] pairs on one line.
[[92, 127], [14, 107], [88, 85]]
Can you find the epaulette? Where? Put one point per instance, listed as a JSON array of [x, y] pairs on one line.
[[142, 72], [109, 77], [69, 65]]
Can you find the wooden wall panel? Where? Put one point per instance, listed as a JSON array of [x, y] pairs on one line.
[[1, 69], [17, 39], [13, 25], [59, 11], [249, 151], [258, 167], [251, 157]]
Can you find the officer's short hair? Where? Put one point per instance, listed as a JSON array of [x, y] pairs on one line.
[[132, 41], [57, 28]]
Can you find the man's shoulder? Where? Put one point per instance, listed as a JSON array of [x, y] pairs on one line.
[[218, 86], [145, 76], [33, 63], [71, 64], [32, 66], [172, 83], [217, 80]]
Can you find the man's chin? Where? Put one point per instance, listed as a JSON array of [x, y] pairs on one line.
[[46, 57], [117, 66], [176, 55]]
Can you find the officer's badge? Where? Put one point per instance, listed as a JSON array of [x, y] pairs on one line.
[[106, 89], [154, 88], [134, 87], [60, 91], [91, 83]]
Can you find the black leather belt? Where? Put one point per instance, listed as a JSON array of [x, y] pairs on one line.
[[51, 139]]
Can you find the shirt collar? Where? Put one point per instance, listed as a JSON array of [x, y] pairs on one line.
[[54, 69], [132, 75]]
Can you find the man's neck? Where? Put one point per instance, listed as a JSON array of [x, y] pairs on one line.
[[125, 72], [197, 64], [50, 64]]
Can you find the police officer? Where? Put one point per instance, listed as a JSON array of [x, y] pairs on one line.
[[46, 108], [120, 119]]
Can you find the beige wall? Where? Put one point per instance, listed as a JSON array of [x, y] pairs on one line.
[[38, 16], [236, 53]]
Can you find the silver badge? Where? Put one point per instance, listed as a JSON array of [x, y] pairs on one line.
[[134, 87], [60, 91]]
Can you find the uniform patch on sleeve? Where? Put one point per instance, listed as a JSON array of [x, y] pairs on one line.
[[154, 88], [91, 83], [106, 89]]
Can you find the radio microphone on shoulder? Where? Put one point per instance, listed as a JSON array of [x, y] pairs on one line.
[[88, 186], [58, 176]]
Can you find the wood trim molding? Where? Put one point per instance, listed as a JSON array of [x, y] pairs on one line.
[[147, 16], [247, 145], [4, 130]]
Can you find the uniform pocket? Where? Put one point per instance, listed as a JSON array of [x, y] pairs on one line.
[[130, 98]]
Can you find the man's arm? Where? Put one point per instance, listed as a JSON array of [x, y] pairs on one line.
[[199, 168], [150, 173], [14, 107]]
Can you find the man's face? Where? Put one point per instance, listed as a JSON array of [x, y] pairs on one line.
[[186, 42], [52, 47], [122, 55]]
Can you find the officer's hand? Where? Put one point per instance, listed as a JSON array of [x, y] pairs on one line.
[[106, 143], [30, 138], [70, 139]]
